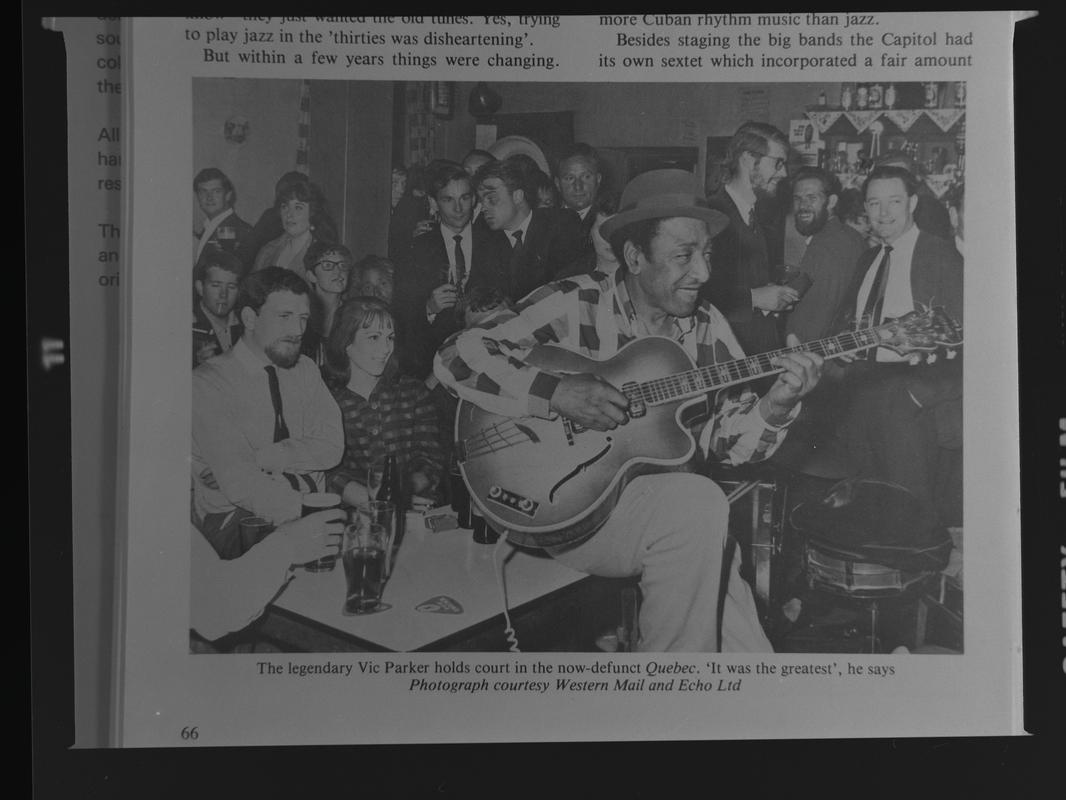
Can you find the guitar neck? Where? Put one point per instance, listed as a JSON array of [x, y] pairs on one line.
[[697, 381]]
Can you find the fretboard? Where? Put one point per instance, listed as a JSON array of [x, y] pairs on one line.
[[718, 376]]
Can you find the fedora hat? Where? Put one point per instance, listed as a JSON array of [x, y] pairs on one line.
[[662, 193]]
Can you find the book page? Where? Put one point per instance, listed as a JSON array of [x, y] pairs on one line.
[[278, 656]]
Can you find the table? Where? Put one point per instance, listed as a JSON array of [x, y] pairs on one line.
[[551, 605]]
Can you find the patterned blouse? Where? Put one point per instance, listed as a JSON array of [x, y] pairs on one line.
[[399, 419]]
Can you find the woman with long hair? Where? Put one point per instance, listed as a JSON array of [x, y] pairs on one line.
[[384, 413]]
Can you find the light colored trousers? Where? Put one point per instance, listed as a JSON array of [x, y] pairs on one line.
[[671, 529]]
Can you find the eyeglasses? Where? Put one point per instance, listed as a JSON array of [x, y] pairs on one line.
[[329, 266], [779, 163]]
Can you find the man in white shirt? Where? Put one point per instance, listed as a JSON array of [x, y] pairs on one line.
[[741, 284], [903, 416], [222, 227], [544, 241], [264, 425]]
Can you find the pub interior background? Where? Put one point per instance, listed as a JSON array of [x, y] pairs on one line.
[[353, 132]]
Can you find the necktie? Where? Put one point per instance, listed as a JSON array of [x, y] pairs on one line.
[[751, 217], [460, 262], [281, 430], [515, 277], [517, 235], [876, 300]]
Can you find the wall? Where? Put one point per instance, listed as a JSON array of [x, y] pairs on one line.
[[272, 109], [637, 114]]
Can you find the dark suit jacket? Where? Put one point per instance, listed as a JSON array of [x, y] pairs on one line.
[[830, 260], [936, 279], [740, 262], [203, 333], [553, 242], [487, 265]]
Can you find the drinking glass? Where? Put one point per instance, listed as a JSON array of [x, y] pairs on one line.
[[363, 556]]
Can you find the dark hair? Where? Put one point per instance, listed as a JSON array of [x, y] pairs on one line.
[[539, 180], [484, 298], [353, 315], [751, 137], [288, 179], [214, 174], [376, 262], [319, 248], [578, 150], [897, 157], [307, 192], [829, 181], [444, 175], [258, 286], [606, 202], [511, 171], [639, 233], [850, 205], [883, 173], [219, 259]]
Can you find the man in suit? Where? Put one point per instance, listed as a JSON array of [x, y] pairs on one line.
[[215, 326], [741, 272], [578, 178], [904, 423], [448, 261], [544, 241], [221, 228], [830, 258]]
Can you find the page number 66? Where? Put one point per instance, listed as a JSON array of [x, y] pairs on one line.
[[190, 733]]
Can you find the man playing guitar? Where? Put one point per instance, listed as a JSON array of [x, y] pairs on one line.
[[670, 527]]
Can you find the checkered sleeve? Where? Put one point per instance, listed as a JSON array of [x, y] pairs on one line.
[[737, 433], [487, 367]]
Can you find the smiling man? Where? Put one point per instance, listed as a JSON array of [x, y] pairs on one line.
[[741, 285], [215, 326], [905, 420], [831, 256], [264, 425], [667, 528]]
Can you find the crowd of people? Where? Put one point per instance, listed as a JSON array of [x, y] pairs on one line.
[[313, 363]]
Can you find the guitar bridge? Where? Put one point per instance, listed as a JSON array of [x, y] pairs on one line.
[[637, 407]]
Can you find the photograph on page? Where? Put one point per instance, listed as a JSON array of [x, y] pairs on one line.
[[635, 369]]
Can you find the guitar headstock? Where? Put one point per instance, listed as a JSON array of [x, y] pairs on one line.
[[924, 331]]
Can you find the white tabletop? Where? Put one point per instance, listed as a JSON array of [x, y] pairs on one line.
[[430, 565]]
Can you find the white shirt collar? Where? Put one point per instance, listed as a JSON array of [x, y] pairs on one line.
[[743, 206], [251, 362], [524, 227]]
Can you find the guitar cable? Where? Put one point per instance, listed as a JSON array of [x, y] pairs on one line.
[[508, 628]]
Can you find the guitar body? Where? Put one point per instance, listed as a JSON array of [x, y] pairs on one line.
[[549, 482]]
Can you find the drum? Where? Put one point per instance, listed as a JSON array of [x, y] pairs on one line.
[[841, 573]]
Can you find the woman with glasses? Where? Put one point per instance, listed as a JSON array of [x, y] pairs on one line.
[[328, 267]]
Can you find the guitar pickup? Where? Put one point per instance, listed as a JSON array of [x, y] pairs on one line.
[[514, 501]]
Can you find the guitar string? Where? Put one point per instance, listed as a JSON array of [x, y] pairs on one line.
[[700, 379]]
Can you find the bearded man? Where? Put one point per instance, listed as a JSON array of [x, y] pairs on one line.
[[740, 284], [264, 425], [831, 257]]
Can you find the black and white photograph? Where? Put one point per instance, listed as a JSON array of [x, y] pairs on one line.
[[629, 367]]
